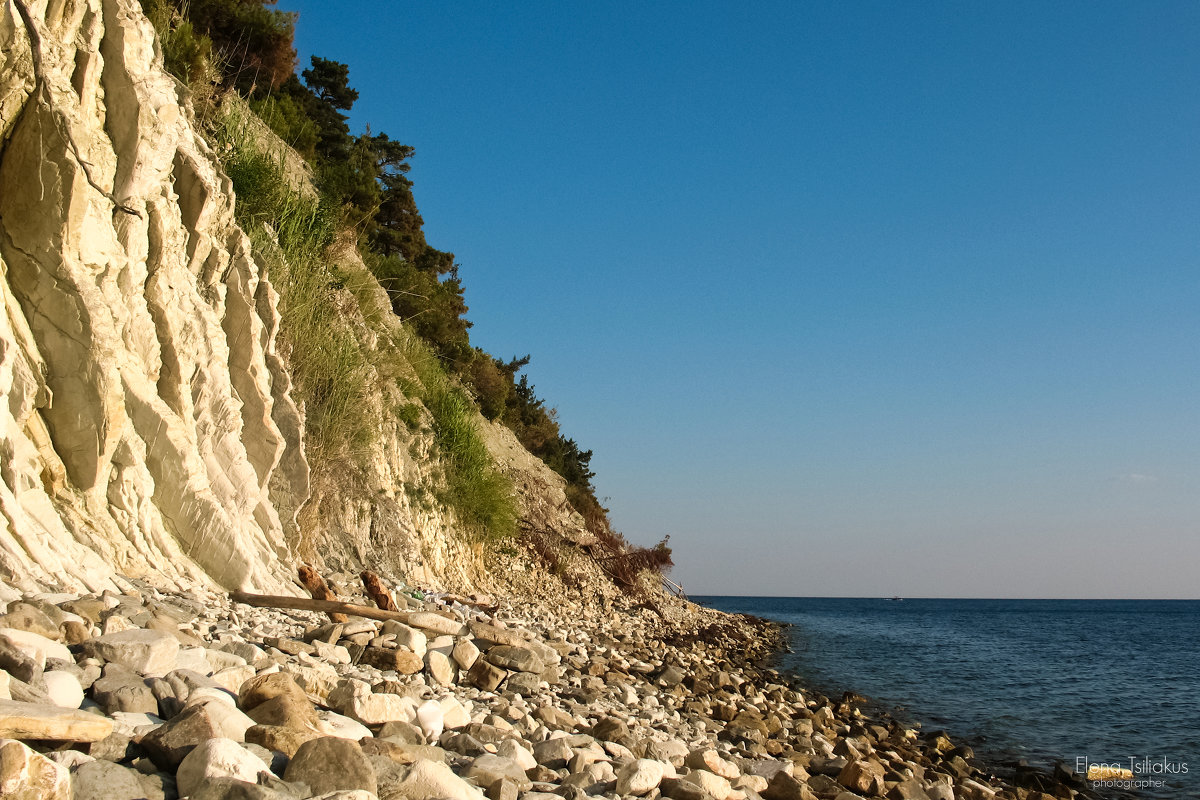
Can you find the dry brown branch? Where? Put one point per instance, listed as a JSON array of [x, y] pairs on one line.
[[310, 604], [674, 588]]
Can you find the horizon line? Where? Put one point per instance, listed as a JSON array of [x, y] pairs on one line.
[[925, 597]]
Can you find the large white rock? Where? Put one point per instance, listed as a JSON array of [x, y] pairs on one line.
[[217, 758], [432, 719], [37, 646], [407, 636], [435, 779], [146, 414], [639, 777], [63, 688], [151, 653], [143, 410], [26, 774]]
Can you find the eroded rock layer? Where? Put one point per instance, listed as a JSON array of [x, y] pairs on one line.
[[143, 410]]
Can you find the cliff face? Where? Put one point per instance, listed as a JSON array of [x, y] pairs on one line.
[[382, 512], [146, 423], [145, 412]]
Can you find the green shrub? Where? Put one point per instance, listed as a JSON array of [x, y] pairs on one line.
[[332, 374], [492, 389], [187, 53], [481, 494], [288, 119], [410, 415], [433, 306], [290, 232], [252, 41]]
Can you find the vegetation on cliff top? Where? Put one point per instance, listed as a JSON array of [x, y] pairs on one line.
[[218, 46]]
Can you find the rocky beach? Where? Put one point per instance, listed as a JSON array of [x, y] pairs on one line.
[[166, 694], [211, 373]]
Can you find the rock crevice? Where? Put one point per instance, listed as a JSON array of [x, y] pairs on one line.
[[138, 379]]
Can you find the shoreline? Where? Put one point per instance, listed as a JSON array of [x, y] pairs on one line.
[[191, 694], [1006, 772]]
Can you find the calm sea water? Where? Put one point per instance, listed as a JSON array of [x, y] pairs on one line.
[[1043, 680]]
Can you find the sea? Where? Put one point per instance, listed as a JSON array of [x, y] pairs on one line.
[[1081, 682]]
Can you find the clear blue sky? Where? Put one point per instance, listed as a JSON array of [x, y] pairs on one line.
[[848, 298]]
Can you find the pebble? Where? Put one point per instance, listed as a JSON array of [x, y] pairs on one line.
[[104, 780], [640, 777], [435, 623], [63, 688], [431, 719], [406, 636], [34, 645], [28, 775], [440, 668], [435, 779], [551, 699], [330, 763], [36, 721], [151, 653], [217, 758]]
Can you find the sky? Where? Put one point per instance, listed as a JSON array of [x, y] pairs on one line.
[[849, 299]]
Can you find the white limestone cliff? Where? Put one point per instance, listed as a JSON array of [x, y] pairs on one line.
[[147, 427], [143, 411]]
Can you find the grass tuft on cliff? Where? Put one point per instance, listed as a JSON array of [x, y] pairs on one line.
[[335, 377], [291, 232], [481, 493]]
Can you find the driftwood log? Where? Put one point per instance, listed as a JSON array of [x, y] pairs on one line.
[[312, 604], [486, 605], [378, 592], [319, 590]]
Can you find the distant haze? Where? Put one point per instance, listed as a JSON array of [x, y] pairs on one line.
[[849, 299]]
